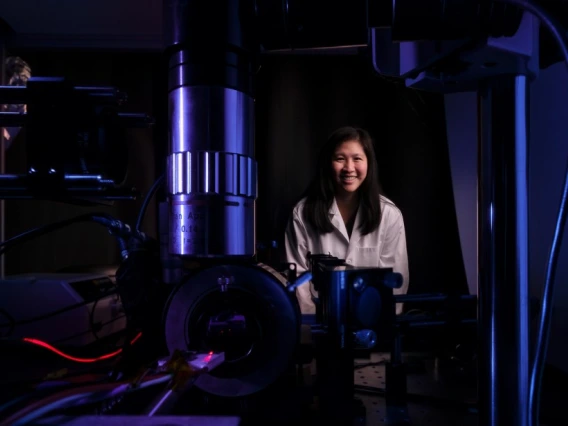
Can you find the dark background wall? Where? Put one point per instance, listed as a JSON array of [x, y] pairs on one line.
[[461, 123], [299, 101], [83, 244]]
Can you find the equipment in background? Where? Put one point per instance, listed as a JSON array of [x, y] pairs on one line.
[[243, 311], [355, 310], [62, 309], [177, 372], [494, 48], [17, 72], [204, 291], [74, 141], [232, 305], [211, 170], [355, 307]]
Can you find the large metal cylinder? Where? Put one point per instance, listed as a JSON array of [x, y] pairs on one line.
[[211, 167], [211, 172]]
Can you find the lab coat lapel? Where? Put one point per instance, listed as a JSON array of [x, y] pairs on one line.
[[337, 220], [355, 236]]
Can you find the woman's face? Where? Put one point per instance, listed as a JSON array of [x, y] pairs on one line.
[[349, 166]]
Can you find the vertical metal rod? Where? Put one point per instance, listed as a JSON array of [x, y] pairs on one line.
[[396, 389], [396, 350], [503, 252]]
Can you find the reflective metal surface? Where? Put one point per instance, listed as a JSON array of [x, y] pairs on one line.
[[212, 182], [503, 253], [243, 311]]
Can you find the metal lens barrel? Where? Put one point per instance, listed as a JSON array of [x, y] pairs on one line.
[[211, 168]]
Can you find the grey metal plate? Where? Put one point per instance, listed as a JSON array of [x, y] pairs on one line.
[[433, 401]]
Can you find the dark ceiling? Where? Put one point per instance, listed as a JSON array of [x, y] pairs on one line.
[[83, 24]]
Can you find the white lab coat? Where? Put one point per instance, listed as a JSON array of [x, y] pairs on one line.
[[384, 248]]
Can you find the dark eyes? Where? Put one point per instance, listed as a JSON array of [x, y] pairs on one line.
[[342, 159]]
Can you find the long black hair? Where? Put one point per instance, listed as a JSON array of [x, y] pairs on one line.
[[321, 191]]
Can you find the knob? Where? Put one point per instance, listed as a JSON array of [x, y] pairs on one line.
[[392, 280], [365, 338], [359, 284]]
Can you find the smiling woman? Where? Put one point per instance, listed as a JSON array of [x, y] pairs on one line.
[[349, 165], [345, 215]]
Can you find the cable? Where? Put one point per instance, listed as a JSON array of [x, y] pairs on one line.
[[77, 359], [13, 323], [147, 200], [547, 20], [77, 396], [46, 388], [546, 311], [537, 368], [24, 236], [13, 402], [101, 218], [92, 319], [83, 333]]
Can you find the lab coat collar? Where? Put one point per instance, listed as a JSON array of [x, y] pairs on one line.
[[337, 222]]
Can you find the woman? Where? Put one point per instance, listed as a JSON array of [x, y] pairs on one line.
[[345, 215]]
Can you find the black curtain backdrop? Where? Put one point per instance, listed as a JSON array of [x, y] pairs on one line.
[[299, 101], [302, 99]]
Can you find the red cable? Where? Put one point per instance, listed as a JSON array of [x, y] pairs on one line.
[[73, 358]]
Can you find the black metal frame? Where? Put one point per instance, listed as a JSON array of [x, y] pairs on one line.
[[57, 114], [338, 284]]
